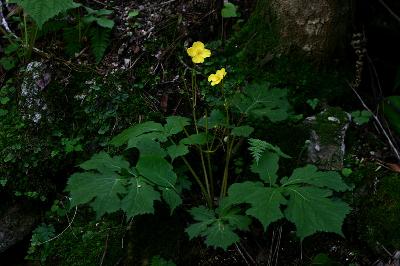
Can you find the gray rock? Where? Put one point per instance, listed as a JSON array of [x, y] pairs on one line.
[[326, 147], [16, 223], [36, 78]]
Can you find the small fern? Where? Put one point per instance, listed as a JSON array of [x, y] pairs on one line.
[[99, 41], [257, 147], [71, 39]]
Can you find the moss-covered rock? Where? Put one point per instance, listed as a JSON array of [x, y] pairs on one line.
[[380, 214], [327, 134]]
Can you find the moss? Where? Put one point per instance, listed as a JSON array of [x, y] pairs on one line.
[[380, 214], [328, 131], [86, 244]]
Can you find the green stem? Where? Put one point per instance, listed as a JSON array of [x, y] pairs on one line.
[[196, 177], [210, 173], [26, 32], [226, 169]]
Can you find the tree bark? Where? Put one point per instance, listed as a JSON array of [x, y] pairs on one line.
[[316, 27]]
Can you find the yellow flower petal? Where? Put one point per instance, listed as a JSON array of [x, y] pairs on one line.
[[205, 53], [197, 59], [198, 45], [217, 77], [191, 51]]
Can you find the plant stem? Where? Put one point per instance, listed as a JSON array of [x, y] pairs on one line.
[[26, 32], [196, 177], [226, 169]]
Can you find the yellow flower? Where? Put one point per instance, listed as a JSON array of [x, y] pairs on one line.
[[198, 52], [217, 77]]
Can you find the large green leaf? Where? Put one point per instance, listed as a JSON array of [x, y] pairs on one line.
[[140, 199], [175, 151], [43, 10], [261, 101], [243, 131], [195, 139], [152, 136], [103, 183], [220, 234], [136, 131], [218, 231], [216, 119], [310, 175], [157, 170], [265, 202], [172, 198], [175, 124], [149, 147], [104, 163], [311, 211], [229, 10], [103, 188], [267, 167]]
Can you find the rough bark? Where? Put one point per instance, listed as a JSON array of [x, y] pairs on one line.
[[317, 27]]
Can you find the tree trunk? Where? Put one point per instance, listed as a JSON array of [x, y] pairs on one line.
[[317, 29]]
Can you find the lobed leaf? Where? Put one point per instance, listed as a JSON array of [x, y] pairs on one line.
[[157, 170], [311, 176], [43, 10], [264, 202], [267, 167], [311, 211], [175, 124], [243, 131], [136, 131], [140, 199]]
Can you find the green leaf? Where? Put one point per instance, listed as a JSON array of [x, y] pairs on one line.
[[195, 139], [219, 232], [310, 175], [43, 10], [171, 198], [152, 136], [157, 170], [243, 131], [140, 198], [216, 119], [99, 41], [103, 163], [229, 10], [261, 101], [267, 167], [4, 100], [102, 187], [220, 235], [105, 22], [264, 202], [149, 147], [311, 211], [133, 13], [390, 107], [257, 147], [136, 131], [175, 151], [175, 124], [204, 216], [8, 62], [202, 213], [361, 117], [158, 261], [232, 216]]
